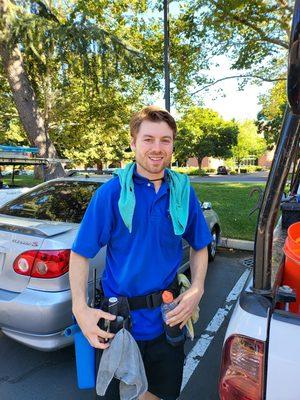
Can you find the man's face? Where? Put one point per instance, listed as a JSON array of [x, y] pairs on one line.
[[153, 147]]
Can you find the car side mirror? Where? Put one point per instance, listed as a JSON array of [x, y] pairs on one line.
[[206, 205]]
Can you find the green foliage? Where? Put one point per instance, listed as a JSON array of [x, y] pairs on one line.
[[11, 132], [210, 170], [269, 119], [248, 143], [254, 34], [190, 171], [91, 65], [202, 132]]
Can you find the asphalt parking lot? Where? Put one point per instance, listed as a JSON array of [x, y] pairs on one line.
[[27, 374]]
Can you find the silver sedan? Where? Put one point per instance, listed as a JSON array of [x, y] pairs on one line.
[[37, 230]]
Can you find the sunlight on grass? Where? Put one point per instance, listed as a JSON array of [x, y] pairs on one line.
[[233, 204]]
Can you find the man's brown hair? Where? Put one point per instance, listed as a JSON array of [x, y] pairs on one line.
[[154, 114]]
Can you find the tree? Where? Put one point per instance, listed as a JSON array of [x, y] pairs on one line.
[[253, 34], [42, 46], [203, 133], [22, 89], [269, 119], [71, 64], [248, 143]]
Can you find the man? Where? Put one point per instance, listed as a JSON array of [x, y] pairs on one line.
[[143, 255]]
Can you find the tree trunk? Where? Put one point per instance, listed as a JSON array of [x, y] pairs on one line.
[[25, 98], [200, 159], [99, 165]]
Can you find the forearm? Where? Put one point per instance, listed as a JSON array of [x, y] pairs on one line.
[[78, 273], [198, 266], [190, 299]]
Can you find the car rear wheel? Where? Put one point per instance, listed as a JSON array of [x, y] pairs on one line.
[[212, 247]]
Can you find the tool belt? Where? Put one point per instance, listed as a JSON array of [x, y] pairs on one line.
[[127, 304], [150, 301]]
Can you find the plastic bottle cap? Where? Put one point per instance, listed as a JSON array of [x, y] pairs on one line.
[[113, 300], [167, 297]]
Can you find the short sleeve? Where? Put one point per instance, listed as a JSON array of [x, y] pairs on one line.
[[197, 233], [96, 225]]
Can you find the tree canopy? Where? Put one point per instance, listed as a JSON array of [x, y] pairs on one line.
[[249, 143], [269, 119], [253, 34], [202, 132]]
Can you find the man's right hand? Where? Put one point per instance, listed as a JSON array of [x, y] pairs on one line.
[[87, 319]]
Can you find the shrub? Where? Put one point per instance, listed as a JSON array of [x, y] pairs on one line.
[[210, 170], [244, 170], [258, 168], [189, 171], [232, 172], [251, 168]]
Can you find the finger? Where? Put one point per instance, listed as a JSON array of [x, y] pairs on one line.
[[104, 334], [106, 315], [176, 311], [181, 308], [178, 299], [178, 319], [99, 345], [183, 323]]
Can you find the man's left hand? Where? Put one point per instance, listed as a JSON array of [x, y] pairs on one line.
[[186, 304]]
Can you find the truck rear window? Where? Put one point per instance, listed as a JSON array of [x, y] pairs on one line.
[[56, 201]]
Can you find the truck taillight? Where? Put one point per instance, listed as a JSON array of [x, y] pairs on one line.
[[242, 369], [42, 264]]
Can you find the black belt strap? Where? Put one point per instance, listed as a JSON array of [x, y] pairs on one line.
[[152, 300]]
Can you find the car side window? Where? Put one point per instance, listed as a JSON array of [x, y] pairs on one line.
[[56, 201]]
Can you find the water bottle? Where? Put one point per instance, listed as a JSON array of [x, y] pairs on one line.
[[175, 336]]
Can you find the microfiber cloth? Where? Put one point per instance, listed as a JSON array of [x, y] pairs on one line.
[[122, 360], [179, 198]]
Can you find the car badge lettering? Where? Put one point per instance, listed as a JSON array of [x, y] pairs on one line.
[[33, 244]]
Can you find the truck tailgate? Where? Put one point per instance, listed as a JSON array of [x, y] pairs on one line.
[[283, 357]]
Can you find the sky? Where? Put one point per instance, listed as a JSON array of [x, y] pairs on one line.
[[236, 104], [232, 103]]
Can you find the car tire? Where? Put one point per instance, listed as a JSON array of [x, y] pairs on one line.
[[212, 247]]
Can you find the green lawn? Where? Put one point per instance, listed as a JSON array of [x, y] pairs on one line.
[[232, 203], [22, 181]]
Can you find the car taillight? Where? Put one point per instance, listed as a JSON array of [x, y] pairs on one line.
[[42, 264], [242, 369]]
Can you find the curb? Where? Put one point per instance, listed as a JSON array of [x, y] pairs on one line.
[[236, 244]]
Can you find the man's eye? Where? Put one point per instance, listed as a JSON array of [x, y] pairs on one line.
[[147, 140]]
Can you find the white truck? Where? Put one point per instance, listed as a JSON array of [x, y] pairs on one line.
[[261, 350]]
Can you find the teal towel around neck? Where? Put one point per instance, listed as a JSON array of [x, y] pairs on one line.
[[179, 198]]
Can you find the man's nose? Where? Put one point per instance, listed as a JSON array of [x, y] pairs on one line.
[[156, 146]]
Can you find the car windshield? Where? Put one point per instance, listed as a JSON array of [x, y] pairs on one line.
[[56, 201]]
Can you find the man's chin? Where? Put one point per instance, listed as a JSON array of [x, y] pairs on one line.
[[153, 169]]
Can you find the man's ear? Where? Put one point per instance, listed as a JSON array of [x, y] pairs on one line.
[[132, 144]]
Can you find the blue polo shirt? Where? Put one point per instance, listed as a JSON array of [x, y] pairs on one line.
[[147, 259]]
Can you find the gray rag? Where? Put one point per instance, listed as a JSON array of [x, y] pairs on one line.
[[122, 360]]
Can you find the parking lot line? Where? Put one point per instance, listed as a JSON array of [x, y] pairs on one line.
[[202, 344]]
